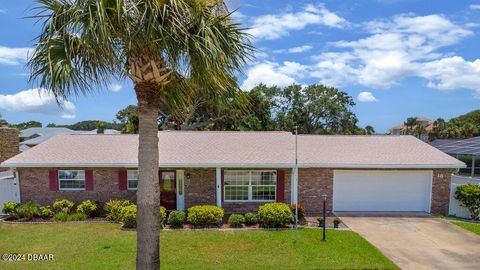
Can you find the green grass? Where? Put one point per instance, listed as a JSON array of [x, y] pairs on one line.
[[473, 227], [105, 246]]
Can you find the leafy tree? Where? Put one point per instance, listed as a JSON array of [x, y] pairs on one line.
[[25, 125], [128, 117], [101, 127], [369, 130], [410, 123], [469, 196], [156, 44], [2, 121]]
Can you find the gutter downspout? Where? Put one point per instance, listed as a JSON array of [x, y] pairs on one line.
[[296, 176]]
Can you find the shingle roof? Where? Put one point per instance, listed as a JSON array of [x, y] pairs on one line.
[[236, 149]]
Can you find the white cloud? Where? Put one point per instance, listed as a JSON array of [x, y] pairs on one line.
[[366, 97], [274, 26], [402, 46], [115, 87], [299, 49], [13, 56], [267, 73], [452, 73], [37, 100], [475, 7]]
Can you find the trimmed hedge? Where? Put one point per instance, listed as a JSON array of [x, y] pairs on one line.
[[274, 215], [469, 196], [128, 216], [113, 207], [205, 215], [236, 220], [63, 205], [9, 208], [251, 219], [176, 219], [87, 207]]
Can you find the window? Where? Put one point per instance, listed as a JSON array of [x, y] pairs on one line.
[[71, 180], [132, 179], [250, 185]]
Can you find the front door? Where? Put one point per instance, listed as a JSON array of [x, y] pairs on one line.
[[168, 192]]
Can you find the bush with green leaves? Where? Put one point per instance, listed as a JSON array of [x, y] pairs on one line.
[[274, 215], [128, 216], [27, 210], [176, 219], [64, 217], [205, 215], [9, 208], [46, 212], [63, 205], [88, 208], [236, 220], [469, 197], [113, 207], [163, 215], [251, 219]]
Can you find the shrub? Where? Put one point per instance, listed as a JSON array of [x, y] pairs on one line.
[[9, 208], [251, 219], [321, 222], [336, 222], [176, 219], [301, 212], [163, 215], [63, 217], [63, 205], [113, 207], [205, 215], [274, 215], [87, 207], [27, 210], [46, 212], [236, 220], [469, 196], [128, 215]]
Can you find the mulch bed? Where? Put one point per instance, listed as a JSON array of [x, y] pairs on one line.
[[12, 220]]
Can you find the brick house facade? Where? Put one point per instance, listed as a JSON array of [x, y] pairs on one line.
[[200, 189]]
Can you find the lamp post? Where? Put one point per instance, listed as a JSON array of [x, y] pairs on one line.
[[324, 196]]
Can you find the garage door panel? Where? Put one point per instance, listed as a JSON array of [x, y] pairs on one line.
[[381, 191]]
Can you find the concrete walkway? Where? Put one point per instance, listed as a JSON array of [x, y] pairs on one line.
[[419, 242]]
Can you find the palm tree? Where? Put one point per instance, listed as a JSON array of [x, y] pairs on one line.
[[369, 130], [84, 43], [409, 124]]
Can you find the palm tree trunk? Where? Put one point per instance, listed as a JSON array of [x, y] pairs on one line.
[[148, 193]]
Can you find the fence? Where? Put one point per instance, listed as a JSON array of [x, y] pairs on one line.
[[455, 208]]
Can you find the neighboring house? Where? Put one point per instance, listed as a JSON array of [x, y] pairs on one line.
[[241, 170], [402, 129], [31, 137]]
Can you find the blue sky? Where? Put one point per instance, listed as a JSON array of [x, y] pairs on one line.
[[395, 58]]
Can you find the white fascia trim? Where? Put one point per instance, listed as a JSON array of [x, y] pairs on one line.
[[235, 165]]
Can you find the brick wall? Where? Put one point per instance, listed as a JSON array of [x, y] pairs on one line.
[[312, 183], [34, 186], [441, 190], [9, 143], [200, 187]]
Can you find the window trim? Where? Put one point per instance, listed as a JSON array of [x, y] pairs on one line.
[[250, 186], [129, 188], [71, 189]]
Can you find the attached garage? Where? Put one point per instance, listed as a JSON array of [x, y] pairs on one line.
[[374, 190]]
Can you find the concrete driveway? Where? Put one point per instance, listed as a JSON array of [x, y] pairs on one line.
[[418, 242]]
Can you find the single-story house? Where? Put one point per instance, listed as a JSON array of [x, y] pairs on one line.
[[241, 170]]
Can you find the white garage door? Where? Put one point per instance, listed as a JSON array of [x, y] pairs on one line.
[[382, 190]]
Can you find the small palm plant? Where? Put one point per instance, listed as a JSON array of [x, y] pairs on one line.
[[158, 44]]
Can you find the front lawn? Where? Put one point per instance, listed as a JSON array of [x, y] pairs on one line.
[[473, 227], [105, 246]]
